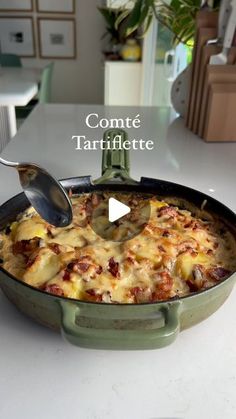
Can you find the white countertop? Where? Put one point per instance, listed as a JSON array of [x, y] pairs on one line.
[[18, 85], [44, 377]]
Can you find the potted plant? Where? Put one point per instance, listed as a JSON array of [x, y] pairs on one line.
[[115, 31], [178, 16]]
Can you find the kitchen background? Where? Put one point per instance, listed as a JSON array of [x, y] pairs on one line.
[[79, 80], [88, 78]]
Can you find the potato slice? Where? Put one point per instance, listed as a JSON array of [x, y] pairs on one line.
[[186, 261], [45, 266], [29, 229], [71, 237]]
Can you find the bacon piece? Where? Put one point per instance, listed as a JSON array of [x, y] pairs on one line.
[[113, 267], [159, 295], [194, 225], [54, 247], [91, 291], [166, 233], [192, 286], [25, 246], [209, 252], [66, 276], [135, 291], [82, 265], [95, 296], [92, 202], [99, 270], [187, 246], [170, 212], [188, 224], [218, 273], [130, 260], [77, 265], [166, 281], [53, 289], [74, 267], [163, 286]]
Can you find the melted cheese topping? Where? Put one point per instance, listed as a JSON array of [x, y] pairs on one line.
[[175, 254]]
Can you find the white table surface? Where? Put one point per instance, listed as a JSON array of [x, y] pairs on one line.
[[44, 377], [32, 74], [18, 85]]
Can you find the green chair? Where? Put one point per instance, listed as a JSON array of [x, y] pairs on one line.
[[10, 60], [44, 94]]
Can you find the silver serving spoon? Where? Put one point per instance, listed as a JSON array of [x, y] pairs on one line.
[[45, 193]]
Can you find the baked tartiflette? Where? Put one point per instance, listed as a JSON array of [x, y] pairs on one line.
[[177, 253]]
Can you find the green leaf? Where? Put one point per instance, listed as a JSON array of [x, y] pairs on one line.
[[108, 15], [147, 25], [134, 17], [123, 15]]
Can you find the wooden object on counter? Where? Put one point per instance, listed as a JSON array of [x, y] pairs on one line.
[[220, 117], [205, 34], [214, 74], [206, 23], [207, 52]]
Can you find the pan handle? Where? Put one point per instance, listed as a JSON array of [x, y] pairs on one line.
[[115, 161], [108, 337]]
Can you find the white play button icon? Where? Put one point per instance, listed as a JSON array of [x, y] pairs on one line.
[[117, 216], [116, 210]]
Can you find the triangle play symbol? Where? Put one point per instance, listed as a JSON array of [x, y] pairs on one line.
[[116, 209]]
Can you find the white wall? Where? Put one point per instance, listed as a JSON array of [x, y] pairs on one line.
[[80, 80]]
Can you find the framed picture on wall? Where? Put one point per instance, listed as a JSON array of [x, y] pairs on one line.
[[57, 38], [16, 5], [17, 36], [55, 6]]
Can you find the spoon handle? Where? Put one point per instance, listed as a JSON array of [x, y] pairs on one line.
[[8, 163]]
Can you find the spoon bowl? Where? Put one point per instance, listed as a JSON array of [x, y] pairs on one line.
[[45, 193]]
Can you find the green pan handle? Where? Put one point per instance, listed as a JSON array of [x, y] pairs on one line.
[[92, 336], [115, 162]]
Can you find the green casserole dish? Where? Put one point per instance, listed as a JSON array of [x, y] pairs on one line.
[[119, 326]]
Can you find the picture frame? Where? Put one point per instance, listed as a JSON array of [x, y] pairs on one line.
[[57, 38], [17, 36], [55, 6], [16, 6]]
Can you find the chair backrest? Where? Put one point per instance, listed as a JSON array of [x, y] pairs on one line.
[[10, 60], [46, 84]]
